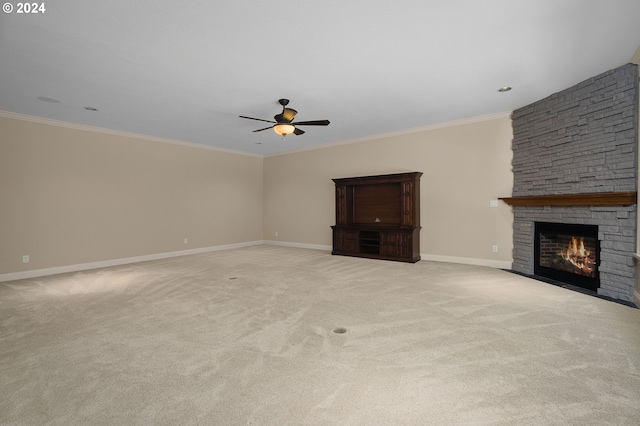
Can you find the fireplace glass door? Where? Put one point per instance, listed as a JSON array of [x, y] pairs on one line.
[[569, 253]]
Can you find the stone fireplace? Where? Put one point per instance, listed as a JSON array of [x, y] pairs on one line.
[[575, 163]]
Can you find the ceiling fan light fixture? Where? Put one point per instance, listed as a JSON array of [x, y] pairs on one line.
[[284, 129]]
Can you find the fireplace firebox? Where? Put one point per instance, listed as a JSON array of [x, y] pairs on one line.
[[569, 253]]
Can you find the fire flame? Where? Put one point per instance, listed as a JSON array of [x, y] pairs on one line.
[[578, 255]]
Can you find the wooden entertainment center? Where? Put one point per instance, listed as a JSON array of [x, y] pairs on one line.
[[378, 217]]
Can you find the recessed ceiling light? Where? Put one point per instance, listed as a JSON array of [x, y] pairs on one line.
[[504, 89], [91, 108]]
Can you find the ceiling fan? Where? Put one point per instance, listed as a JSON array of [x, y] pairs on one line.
[[284, 125]]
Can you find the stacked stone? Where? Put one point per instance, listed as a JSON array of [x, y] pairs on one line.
[[581, 140]]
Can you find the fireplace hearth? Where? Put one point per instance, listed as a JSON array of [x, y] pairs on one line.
[[569, 253]]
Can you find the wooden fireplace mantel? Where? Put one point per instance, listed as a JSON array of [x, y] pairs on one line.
[[589, 199]]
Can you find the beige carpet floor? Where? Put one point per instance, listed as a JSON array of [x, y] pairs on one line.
[[247, 336]]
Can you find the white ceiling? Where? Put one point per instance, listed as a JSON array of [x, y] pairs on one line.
[[186, 70]]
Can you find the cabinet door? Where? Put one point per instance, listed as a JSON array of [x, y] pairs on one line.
[[395, 244], [345, 240], [338, 240], [351, 241], [389, 244], [404, 245]]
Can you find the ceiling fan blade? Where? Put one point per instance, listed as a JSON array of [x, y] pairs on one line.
[[259, 130], [298, 131], [259, 119], [312, 123]]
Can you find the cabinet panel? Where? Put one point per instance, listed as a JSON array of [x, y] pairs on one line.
[[404, 245], [341, 205], [396, 244], [345, 240], [380, 203], [338, 241], [407, 203], [351, 241], [389, 244]]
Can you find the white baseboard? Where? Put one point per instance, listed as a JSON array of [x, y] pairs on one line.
[[498, 264], [123, 261], [298, 245]]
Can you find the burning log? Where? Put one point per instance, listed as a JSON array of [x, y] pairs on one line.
[[577, 255]]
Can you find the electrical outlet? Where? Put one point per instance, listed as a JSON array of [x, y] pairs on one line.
[[493, 203], [186, 241], [495, 249], [25, 258], [276, 233]]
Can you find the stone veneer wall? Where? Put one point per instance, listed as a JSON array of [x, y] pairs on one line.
[[581, 140]]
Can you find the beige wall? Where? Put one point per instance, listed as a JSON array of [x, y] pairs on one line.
[[71, 196], [465, 166]]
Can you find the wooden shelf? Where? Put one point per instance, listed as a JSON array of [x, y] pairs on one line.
[[590, 199]]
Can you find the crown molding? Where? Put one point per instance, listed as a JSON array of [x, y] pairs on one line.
[[413, 130], [86, 128]]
